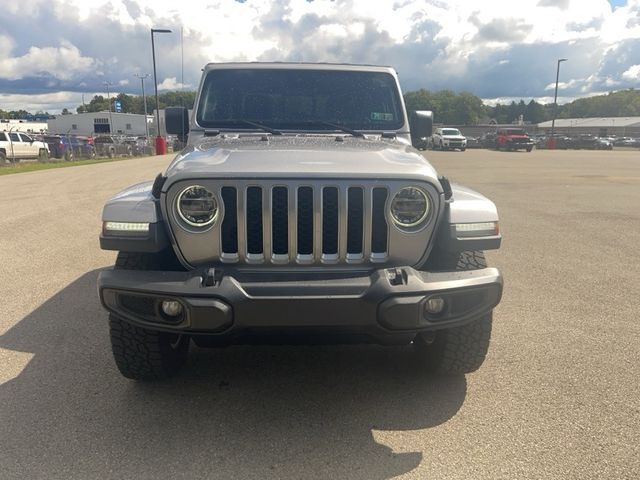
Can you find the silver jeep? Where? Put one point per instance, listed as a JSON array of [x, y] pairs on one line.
[[299, 212]]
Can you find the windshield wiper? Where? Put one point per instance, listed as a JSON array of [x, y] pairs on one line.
[[342, 128], [251, 123]]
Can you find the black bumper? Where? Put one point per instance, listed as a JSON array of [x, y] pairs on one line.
[[387, 305]]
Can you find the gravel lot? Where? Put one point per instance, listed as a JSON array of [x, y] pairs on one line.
[[557, 398]]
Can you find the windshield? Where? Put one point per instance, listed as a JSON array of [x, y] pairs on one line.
[[299, 99], [450, 131], [515, 131]]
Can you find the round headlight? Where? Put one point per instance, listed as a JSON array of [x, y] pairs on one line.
[[197, 206], [409, 207]]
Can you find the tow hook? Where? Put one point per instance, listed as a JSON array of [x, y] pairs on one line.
[[211, 277], [397, 276]]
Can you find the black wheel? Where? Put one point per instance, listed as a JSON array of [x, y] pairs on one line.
[[68, 155], [529, 149], [129, 152], [140, 353], [111, 153], [3, 158], [43, 155], [91, 153], [461, 349], [462, 149]]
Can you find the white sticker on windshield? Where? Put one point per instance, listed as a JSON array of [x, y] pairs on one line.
[[381, 116]]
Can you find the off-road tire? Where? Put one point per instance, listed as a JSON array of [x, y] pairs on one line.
[[462, 349], [143, 354], [529, 149], [68, 155], [43, 155], [3, 158]]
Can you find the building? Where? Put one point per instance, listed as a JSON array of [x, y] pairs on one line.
[[100, 123], [27, 126], [601, 126]]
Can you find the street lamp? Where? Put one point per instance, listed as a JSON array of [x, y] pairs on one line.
[[108, 84], [552, 140], [161, 144], [142, 76]]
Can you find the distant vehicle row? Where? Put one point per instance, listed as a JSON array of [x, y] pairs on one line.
[[16, 146]]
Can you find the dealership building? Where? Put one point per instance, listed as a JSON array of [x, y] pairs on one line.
[[101, 123], [601, 126]]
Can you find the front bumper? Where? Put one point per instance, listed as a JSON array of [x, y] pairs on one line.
[[454, 144], [386, 305]]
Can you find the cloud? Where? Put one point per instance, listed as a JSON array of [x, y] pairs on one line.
[[561, 4], [62, 63], [500, 29], [172, 84], [632, 73]]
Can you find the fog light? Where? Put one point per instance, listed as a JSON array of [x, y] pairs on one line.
[[434, 305], [171, 308]]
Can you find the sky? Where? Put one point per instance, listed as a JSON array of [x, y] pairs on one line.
[[52, 52]]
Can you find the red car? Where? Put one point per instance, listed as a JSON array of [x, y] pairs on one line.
[[513, 139]]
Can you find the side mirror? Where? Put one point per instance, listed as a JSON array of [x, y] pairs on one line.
[[176, 120], [421, 124]]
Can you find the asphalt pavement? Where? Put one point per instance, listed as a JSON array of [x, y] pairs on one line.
[[558, 396]]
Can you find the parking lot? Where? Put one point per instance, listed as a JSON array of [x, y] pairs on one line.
[[558, 396]]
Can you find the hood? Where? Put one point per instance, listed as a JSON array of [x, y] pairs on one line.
[[312, 156]]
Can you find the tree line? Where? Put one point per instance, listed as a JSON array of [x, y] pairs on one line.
[[448, 107]]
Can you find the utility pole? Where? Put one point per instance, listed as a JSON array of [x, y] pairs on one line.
[[142, 76], [108, 84], [161, 144], [552, 141]]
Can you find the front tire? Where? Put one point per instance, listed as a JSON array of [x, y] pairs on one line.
[[142, 354], [43, 155], [457, 350]]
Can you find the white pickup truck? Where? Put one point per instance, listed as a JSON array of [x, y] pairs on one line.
[[15, 146]]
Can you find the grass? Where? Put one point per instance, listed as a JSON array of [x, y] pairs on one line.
[[35, 166]]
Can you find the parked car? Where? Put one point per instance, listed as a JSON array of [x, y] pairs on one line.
[[16, 146], [590, 142], [254, 235], [144, 146], [513, 139], [474, 142], [69, 147], [488, 140], [110, 146], [449, 139]]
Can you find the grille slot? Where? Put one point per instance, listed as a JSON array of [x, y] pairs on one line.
[[229, 231], [355, 218], [305, 221], [330, 221], [379, 222], [254, 220], [280, 220]]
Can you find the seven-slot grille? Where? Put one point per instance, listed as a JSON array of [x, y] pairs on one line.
[[304, 224]]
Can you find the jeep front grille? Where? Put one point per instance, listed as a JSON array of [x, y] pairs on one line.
[[296, 223], [303, 224]]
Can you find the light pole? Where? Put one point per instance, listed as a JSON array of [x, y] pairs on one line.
[[161, 144], [552, 140], [108, 84], [142, 76]]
